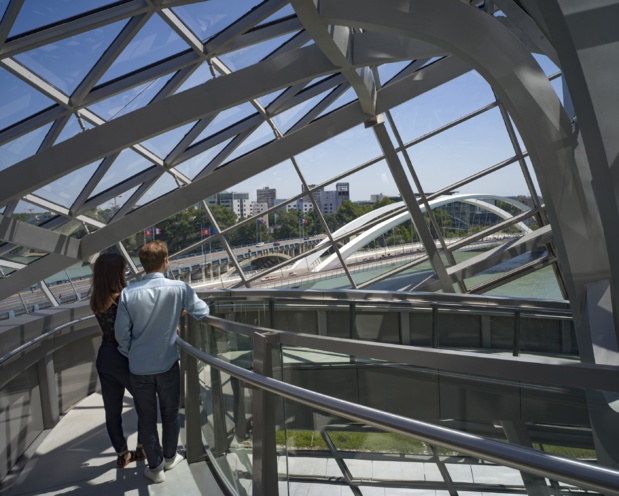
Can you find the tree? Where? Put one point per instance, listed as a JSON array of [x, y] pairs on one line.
[[287, 224], [384, 201], [350, 211]]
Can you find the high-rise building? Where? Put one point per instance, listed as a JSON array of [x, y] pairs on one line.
[[266, 195]]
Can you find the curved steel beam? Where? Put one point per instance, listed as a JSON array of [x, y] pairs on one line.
[[336, 44], [378, 230]]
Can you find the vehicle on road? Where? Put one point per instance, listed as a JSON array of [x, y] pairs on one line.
[[260, 244], [275, 244]]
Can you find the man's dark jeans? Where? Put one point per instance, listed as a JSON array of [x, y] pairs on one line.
[[146, 390]]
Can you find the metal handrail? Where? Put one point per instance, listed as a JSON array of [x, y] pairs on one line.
[[23, 347], [525, 307], [581, 474], [528, 370]]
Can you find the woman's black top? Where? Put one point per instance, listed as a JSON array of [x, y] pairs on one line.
[[106, 321]]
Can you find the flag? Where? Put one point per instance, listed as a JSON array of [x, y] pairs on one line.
[[205, 231], [157, 230], [148, 232], [261, 221], [305, 221]]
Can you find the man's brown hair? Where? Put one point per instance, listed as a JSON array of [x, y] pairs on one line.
[[153, 254]]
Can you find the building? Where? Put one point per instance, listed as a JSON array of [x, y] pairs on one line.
[[266, 195], [237, 202], [328, 201], [145, 102]]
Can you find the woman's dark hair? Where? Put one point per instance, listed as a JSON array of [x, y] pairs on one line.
[[108, 280]]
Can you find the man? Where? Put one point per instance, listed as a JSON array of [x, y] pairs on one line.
[[146, 323]]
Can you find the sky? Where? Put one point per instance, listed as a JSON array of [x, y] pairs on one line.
[[438, 161]]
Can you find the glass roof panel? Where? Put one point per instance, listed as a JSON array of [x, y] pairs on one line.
[[22, 255], [266, 100], [38, 13], [539, 284], [75, 228], [546, 64], [557, 84], [386, 72], [108, 209], [338, 154], [282, 177], [32, 214], [286, 11], [226, 119], [3, 6], [66, 62], [126, 165], [518, 137], [199, 76], [192, 167], [65, 190], [23, 147], [71, 128], [163, 185], [290, 117], [463, 150], [348, 96], [250, 55], [206, 19], [18, 100], [155, 41], [163, 144], [531, 170], [442, 105], [130, 100], [262, 135]]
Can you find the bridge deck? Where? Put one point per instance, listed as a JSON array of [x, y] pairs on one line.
[[76, 458]]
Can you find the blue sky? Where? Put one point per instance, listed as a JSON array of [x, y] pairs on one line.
[[455, 154]]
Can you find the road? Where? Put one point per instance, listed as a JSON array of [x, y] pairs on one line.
[[64, 291]]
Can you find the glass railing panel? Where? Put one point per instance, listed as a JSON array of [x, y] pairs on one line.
[[505, 330], [324, 454], [226, 406], [21, 417], [556, 419]]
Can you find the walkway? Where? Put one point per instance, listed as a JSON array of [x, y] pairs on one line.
[[76, 458]]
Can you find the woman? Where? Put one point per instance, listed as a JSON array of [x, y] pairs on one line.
[[107, 282]]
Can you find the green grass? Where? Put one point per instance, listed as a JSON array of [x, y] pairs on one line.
[[384, 442], [374, 442]]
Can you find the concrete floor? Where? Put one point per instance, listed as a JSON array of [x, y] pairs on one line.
[[76, 458]]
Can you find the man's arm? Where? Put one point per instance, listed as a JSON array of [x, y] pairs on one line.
[[122, 327], [195, 307]]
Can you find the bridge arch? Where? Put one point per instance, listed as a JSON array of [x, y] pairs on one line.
[[332, 261]]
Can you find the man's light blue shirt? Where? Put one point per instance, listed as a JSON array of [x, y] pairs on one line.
[[147, 319]]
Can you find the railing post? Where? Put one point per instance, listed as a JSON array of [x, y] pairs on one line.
[[516, 347], [265, 481], [353, 320], [49, 391], [193, 428], [272, 313], [435, 340]]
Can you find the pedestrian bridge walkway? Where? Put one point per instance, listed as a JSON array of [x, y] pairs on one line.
[[76, 458], [258, 400]]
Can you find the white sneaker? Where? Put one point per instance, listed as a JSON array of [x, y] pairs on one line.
[[170, 463], [157, 475]]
